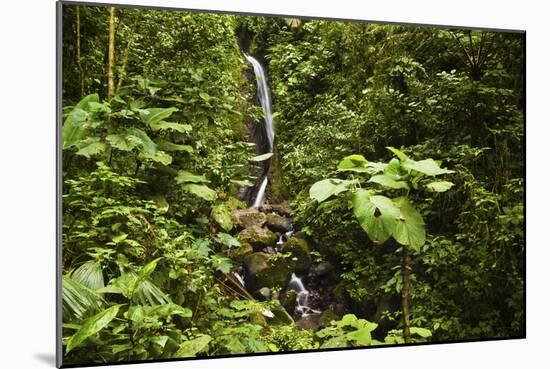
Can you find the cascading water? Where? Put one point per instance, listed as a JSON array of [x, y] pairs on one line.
[[302, 307], [265, 102], [260, 196], [264, 97], [265, 144]]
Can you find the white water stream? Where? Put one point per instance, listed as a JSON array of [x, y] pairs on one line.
[[265, 102], [295, 283]]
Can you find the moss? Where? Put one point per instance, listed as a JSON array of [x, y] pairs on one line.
[[239, 253], [265, 270], [299, 249], [327, 316], [257, 237], [248, 218], [277, 189]]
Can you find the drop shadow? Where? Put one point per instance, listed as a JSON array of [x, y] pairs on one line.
[[46, 358]]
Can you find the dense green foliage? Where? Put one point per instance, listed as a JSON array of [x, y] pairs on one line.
[[454, 96], [151, 175]]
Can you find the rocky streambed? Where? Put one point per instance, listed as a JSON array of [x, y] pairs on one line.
[[275, 262]]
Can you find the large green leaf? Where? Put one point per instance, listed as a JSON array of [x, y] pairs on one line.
[[144, 273], [439, 186], [361, 336], [222, 216], [78, 300], [324, 189], [87, 100], [148, 293], [178, 127], [193, 347], [354, 163], [377, 215], [186, 177], [76, 125], [158, 156], [398, 153], [387, 181], [89, 274], [394, 170], [428, 167], [170, 146], [123, 142], [228, 240], [170, 309], [222, 263], [153, 116], [145, 141], [410, 229], [130, 282], [92, 326], [201, 191], [90, 147], [422, 332]]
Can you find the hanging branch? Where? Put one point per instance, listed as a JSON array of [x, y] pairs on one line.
[[78, 62], [111, 60]]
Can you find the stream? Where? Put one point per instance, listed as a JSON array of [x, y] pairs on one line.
[[265, 141]]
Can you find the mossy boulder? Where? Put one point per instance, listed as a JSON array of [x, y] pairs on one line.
[[264, 270], [299, 249], [309, 322], [328, 316], [341, 294], [278, 223], [246, 218], [288, 300], [281, 209], [239, 253], [257, 237]]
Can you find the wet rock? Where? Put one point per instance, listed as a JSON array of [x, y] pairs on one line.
[[239, 253], [328, 316], [322, 269], [262, 294], [281, 209], [257, 237], [300, 234], [288, 300], [340, 294], [264, 270], [310, 322], [278, 223], [299, 248], [247, 218]]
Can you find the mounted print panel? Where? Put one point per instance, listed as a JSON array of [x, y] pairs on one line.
[[239, 184]]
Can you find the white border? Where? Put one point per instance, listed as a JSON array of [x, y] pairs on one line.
[[27, 180]]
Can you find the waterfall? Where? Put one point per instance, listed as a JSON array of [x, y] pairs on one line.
[[265, 102], [263, 96], [302, 307], [260, 196], [265, 144]]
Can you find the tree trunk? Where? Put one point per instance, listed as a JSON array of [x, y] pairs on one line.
[[405, 295], [111, 60], [78, 62]]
